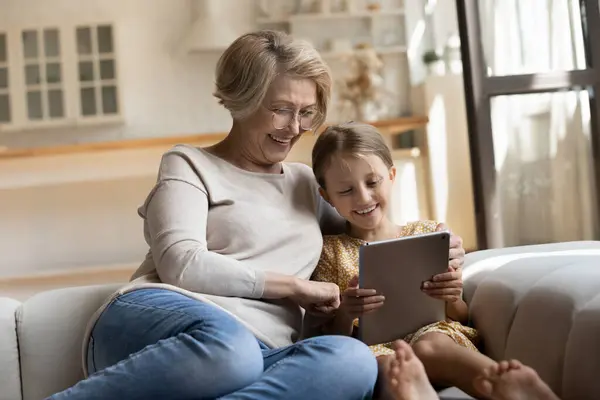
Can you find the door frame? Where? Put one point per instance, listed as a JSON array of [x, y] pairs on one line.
[[480, 88]]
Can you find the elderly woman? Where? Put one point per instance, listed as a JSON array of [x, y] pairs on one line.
[[215, 310]]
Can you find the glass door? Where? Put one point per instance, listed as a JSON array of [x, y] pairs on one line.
[[531, 87]]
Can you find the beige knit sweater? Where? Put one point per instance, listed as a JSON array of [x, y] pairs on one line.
[[214, 230]]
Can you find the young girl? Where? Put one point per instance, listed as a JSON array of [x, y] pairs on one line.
[[355, 171]]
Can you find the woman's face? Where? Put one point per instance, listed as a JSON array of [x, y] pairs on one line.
[[287, 97]]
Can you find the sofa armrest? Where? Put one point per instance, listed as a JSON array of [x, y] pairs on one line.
[[541, 305], [10, 371]]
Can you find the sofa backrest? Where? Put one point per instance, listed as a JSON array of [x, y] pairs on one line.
[[50, 332]]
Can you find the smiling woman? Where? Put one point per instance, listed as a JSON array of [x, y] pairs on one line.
[[234, 234]]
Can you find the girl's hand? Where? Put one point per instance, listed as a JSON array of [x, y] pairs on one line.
[[447, 286], [457, 252], [357, 302]]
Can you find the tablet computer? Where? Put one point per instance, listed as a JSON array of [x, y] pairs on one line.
[[397, 268]]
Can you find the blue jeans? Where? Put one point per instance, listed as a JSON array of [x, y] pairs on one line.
[[158, 344]]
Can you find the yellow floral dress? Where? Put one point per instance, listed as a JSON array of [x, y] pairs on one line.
[[339, 263]]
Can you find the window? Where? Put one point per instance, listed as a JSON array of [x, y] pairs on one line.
[[96, 71], [5, 113], [57, 76], [44, 92]]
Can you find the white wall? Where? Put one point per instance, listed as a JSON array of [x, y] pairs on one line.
[[163, 92], [74, 225], [429, 23]]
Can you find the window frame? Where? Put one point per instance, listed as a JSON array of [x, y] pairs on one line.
[[480, 88]]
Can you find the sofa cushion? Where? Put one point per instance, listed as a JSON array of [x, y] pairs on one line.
[[50, 333], [541, 305], [10, 377]]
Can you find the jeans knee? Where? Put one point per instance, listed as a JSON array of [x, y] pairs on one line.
[[236, 357], [350, 363]]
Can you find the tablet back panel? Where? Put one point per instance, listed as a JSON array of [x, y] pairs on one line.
[[397, 268]]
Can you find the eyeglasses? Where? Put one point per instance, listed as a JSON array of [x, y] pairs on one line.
[[282, 118]]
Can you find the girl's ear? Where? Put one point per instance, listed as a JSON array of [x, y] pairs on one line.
[[393, 174], [324, 195]]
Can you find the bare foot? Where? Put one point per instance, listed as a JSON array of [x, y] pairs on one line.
[[511, 380], [405, 376]]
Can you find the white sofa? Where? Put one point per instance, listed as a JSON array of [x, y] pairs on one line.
[[540, 304]]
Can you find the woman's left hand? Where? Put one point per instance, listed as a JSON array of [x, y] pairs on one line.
[[446, 286]]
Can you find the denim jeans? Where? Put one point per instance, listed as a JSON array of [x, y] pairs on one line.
[[159, 344]]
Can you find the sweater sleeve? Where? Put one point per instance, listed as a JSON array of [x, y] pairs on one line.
[[176, 220]]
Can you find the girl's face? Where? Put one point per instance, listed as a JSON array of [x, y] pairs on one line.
[[360, 189]]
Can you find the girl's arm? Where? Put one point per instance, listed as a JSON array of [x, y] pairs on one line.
[[458, 311], [339, 325]]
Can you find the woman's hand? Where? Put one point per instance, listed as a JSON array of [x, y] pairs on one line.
[[316, 297], [446, 286], [357, 302], [457, 253]]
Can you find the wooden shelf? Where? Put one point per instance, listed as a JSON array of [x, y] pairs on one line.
[[382, 50], [331, 15], [347, 15], [386, 127]]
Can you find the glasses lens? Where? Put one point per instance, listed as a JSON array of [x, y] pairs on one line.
[[282, 119], [306, 121]]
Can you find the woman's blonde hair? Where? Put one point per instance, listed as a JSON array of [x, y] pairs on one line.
[[351, 138], [251, 63]]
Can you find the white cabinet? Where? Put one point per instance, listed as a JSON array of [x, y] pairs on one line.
[[58, 76]]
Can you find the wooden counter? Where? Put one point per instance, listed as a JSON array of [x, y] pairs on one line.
[[386, 127]]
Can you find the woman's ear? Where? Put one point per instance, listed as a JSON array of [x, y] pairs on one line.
[[324, 195], [393, 174]]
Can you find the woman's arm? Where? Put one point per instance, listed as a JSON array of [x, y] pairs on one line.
[[176, 219]]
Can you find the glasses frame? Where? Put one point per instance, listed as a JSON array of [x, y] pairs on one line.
[[296, 115]]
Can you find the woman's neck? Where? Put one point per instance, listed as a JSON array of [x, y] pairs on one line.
[[233, 151], [386, 230]]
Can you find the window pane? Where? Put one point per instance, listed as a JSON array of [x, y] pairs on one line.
[[3, 54], [3, 78], [30, 44], [543, 163], [34, 105], [109, 99], [32, 74], [86, 71], [53, 73], [4, 108], [84, 41], [105, 42], [88, 101], [55, 103], [515, 43], [51, 43], [107, 69]]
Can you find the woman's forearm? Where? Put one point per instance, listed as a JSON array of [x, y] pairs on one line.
[[458, 311], [279, 286]]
